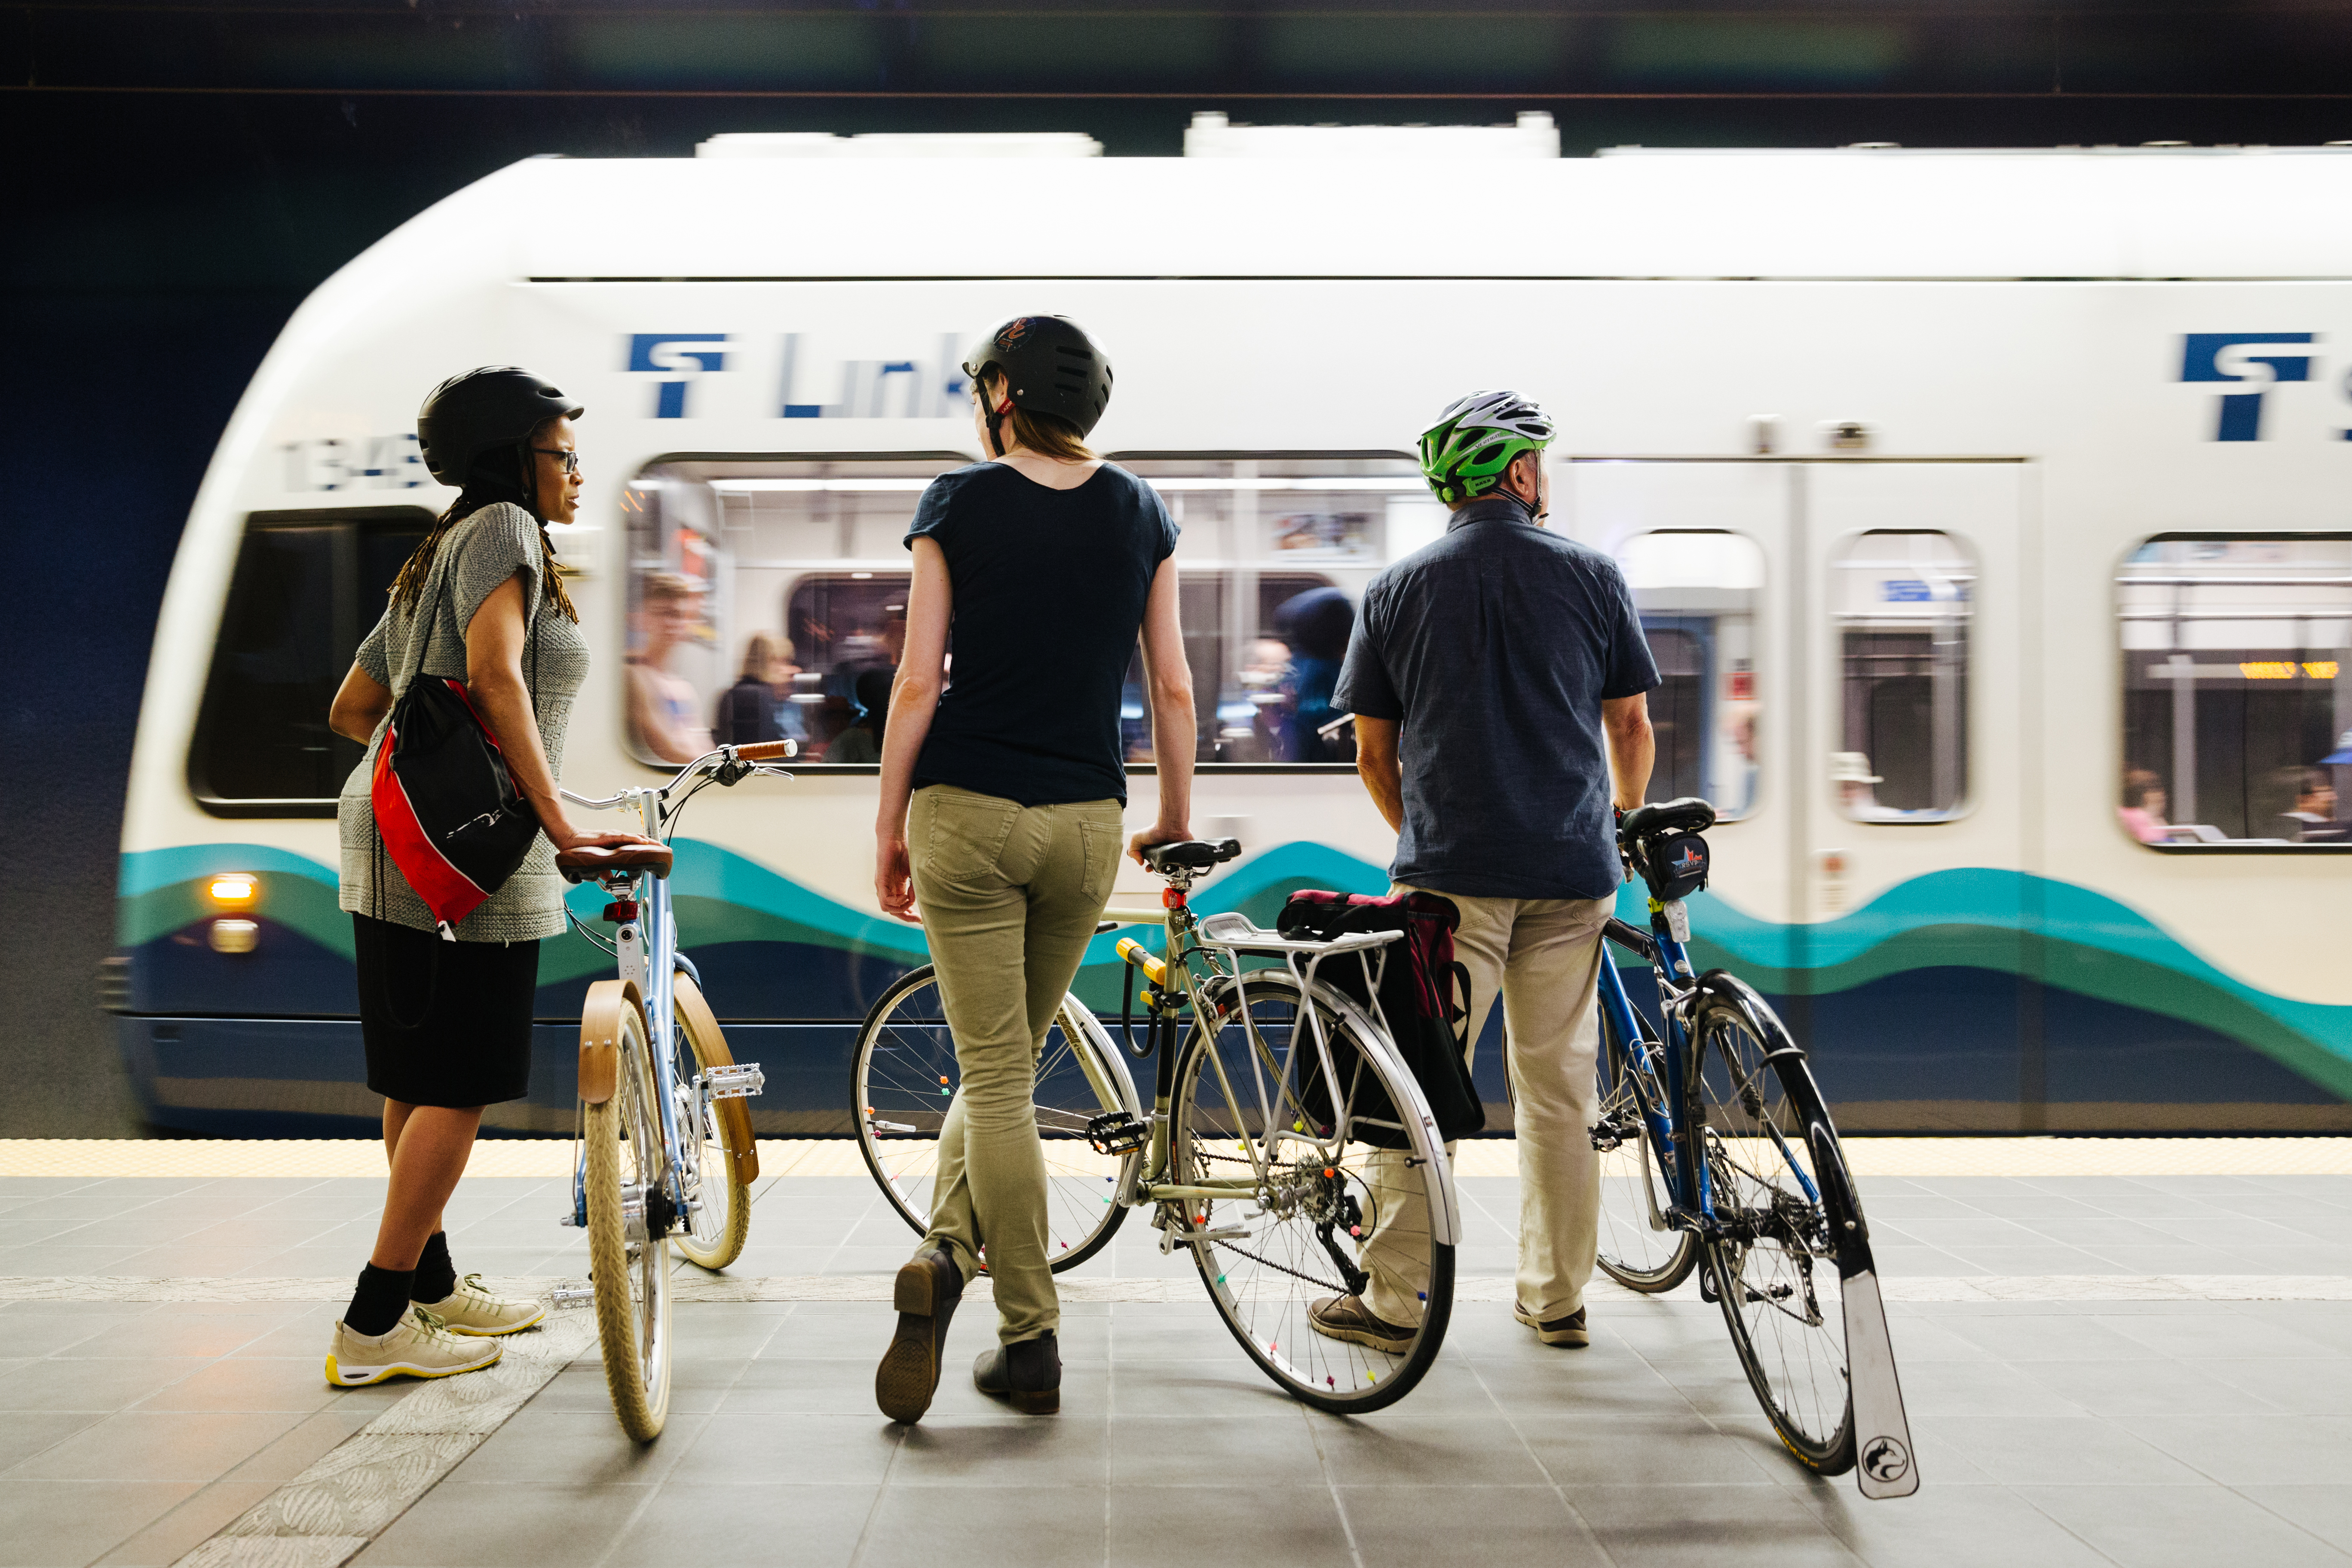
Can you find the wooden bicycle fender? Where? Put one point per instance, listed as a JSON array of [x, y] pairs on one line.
[[600, 1018], [734, 1115]]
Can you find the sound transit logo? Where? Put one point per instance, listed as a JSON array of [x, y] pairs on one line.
[[2223, 357]]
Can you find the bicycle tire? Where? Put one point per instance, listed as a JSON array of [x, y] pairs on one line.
[[905, 1058], [1263, 1289], [1779, 1284], [1637, 1249], [728, 1161], [630, 1280]]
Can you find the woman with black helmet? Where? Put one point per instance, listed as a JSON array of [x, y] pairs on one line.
[[1001, 807], [447, 1023]]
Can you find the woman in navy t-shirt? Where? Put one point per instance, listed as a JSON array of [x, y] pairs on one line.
[[1001, 807]]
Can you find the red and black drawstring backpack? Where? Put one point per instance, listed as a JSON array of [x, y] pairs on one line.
[[446, 808]]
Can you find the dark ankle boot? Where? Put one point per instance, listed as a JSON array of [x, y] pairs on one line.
[[928, 1290], [1027, 1375]]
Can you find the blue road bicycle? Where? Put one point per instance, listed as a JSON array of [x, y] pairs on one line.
[[1717, 1154]]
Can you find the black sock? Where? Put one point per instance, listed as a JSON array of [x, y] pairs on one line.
[[435, 1275], [380, 1298]]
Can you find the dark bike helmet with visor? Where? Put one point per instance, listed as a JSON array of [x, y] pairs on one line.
[[1465, 454], [1049, 365], [473, 429]]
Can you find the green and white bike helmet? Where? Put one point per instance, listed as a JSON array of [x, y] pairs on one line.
[[1462, 456]]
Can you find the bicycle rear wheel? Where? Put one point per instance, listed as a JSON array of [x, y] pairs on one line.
[[720, 1132], [1637, 1249], [902, 1080], [1251, 1109], [1790, 1225], [628, 1215]]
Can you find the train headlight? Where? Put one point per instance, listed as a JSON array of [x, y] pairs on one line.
[[235, 890], [235, 936]]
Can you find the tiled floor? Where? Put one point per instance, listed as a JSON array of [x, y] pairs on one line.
[[2136, 1433]]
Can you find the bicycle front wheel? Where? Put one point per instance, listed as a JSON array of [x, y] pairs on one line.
[[720, 1132], [1637, 1247], [1295, 1176], [1782, 1211], [628, 1215], [903, 1078]]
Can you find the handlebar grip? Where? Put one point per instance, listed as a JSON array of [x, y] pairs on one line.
[[768, 751]]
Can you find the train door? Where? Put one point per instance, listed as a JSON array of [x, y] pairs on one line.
[[1914, 648], [1705, 547]]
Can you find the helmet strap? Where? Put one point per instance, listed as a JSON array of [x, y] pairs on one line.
[[996, 420]]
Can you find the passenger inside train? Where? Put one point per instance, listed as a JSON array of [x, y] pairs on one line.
[[664, 708]]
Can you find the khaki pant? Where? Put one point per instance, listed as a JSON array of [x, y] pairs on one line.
[[1543, 955], [1009, 895]]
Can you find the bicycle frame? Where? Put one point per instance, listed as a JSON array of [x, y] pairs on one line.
[[1673, 1128], [1205, 995], [646, 948]]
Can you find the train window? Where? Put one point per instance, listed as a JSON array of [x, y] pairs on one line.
[[1697, 591], [1902, 599], [1275, 554], [768, 601], [308, 586], [2237, 692], [768, 598]]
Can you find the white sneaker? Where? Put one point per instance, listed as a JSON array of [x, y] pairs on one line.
[[416, 1346], [471, 1310]]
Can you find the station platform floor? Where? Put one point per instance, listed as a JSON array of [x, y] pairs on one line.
[[2132, 1351]]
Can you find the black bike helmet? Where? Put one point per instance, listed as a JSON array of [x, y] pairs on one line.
[[472, 416], [1050, 366]]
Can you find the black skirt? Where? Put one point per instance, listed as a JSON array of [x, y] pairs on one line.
[[446, 1023]]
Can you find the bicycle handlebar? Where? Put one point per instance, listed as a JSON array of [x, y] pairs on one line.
[[759, 752]]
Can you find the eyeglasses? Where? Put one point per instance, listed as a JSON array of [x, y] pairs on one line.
[[571, 460]]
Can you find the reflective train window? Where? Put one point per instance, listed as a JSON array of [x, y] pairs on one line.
[[307, 587], [767, 599], [1902, 599], [764, 598], [1697, 591], [2237, 692], [1275, 554]]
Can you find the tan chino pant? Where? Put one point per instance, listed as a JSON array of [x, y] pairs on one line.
[[1543, 957], [1009, 895]]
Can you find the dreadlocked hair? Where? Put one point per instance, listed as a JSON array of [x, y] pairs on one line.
[[408, 587]]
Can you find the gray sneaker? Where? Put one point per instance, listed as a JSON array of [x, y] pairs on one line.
[[416, 1346], [1568, 1330]]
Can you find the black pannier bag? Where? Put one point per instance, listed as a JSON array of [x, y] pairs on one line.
[[1424, 994]]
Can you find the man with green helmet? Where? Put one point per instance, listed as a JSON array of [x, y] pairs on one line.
[[1497, 677]]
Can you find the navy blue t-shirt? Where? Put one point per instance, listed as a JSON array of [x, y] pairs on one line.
[[1049, 588], [1494, 648]]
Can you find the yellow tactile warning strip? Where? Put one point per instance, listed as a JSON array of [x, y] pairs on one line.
[[93, 1158]]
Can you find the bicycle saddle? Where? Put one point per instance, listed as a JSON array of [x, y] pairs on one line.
[[1191, 854], [589, 862], [1688, 815]]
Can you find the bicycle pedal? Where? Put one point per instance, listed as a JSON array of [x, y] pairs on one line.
[[572, 1297], [1117, 1132], [738, 1080]]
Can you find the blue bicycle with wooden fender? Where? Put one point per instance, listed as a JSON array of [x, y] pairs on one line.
[[1717, 1154]]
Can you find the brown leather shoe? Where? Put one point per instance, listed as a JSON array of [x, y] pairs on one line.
[[928, 1287], [1568, 1330], [1026, 1375], [1347, 1318]]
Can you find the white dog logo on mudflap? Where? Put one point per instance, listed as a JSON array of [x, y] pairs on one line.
[[1885, 1459]]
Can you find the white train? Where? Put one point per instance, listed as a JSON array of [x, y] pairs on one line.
[[1988, 510]]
